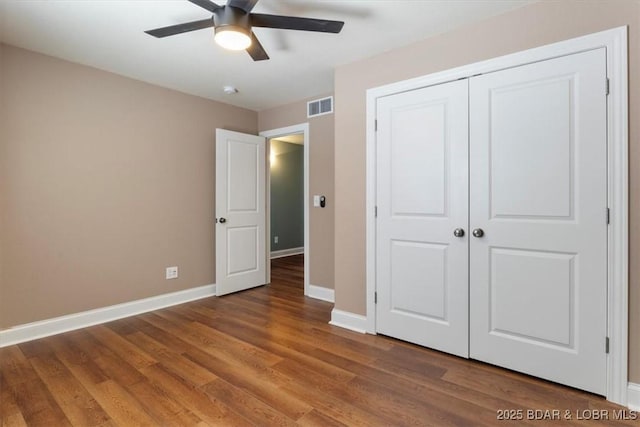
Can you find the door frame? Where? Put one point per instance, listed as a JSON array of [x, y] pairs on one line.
[[615, 42], [302, 128]]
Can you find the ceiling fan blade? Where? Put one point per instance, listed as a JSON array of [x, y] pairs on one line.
[[246, 5], [294, 23], [206, 4], [181, 28], [256, 51]]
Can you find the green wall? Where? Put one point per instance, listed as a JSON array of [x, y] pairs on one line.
[[287, 196]]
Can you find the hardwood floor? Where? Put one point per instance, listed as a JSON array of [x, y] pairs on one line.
[[266, 356]]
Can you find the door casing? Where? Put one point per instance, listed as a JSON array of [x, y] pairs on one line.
[[615, 42], [302, 128]]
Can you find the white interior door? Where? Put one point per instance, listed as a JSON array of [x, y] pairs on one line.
[[240, 211], [538, 276], [422, 197]]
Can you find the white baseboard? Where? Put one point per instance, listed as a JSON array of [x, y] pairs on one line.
[[57, 325], [318, 292], [633, 397], [344, 319], [286, 252]]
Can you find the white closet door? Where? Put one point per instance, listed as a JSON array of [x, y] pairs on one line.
[[538, 282], [422, 197]]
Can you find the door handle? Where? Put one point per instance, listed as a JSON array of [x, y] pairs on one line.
[[222, 220], [478, 232], [458, 232]]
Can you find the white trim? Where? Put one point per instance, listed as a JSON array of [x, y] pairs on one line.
[[320, 292], [615, 42], [371, 208], [71, 322], [287, 252], [351, 321], [634, 397], [274, 133], [618, 239]]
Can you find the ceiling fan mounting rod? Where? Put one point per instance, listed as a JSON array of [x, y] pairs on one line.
[[230, 16]]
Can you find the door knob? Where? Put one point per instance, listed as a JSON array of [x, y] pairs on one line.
[[458, 232], [223, 220], [477, 232]]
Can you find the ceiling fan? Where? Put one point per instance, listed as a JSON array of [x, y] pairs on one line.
[[233, 22]]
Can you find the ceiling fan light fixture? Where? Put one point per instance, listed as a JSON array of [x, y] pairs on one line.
[[232, 25], [232, 37]]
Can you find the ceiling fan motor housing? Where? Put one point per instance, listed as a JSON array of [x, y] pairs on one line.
[[232, 18]]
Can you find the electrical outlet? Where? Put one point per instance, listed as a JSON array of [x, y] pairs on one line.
[[275, 240], [172, 273]]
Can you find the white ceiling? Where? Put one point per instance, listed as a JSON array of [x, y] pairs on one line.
[[108, 34]]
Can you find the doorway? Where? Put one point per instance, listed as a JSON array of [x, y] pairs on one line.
[[288, 202], [286, 166]]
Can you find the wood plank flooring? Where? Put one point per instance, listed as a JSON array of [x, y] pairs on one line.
[[265, 357]]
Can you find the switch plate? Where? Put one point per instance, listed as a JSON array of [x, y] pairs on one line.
[[316, 201], [172, 273]]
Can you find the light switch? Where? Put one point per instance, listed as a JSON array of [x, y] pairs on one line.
[[316, 201]]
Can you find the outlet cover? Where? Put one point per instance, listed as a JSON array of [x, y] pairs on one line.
[[172, 273], [275, 240]]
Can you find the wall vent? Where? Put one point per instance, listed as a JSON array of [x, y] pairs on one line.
[[320, 107]]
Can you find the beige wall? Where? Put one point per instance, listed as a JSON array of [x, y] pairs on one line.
[[535, 25], [104, 182], [321, 174], [3, 176]]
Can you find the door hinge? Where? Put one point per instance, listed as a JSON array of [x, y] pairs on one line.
[[606, 345], [608, 216], [375, 124], [375, 297], [375, 211], [607, 86]]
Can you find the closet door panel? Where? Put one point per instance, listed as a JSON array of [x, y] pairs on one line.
[[422, 197], [538, 185]]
